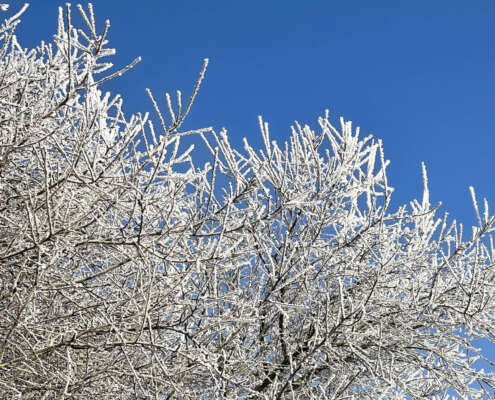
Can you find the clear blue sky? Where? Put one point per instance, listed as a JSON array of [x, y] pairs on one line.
[[418, 74]]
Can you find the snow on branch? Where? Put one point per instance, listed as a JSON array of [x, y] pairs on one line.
[[127, 271]]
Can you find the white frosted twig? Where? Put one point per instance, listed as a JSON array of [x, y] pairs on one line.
[[475, 205]]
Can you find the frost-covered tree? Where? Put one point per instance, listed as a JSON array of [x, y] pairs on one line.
[[128, 272]]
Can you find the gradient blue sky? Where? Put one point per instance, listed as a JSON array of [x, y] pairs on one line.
[[418, 74]]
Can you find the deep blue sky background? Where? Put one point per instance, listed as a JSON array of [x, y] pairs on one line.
[[418, 74]]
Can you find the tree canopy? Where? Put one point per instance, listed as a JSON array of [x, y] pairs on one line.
[[128, 271]]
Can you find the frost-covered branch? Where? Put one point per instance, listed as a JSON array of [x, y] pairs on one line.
[[278, 273]]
